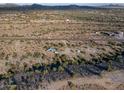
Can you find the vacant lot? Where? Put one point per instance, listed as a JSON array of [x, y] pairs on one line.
[[37, 44]]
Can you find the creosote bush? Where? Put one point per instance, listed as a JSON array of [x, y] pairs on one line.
[[36, 54]]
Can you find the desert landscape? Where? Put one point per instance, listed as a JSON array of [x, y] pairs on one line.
[[80, 48]]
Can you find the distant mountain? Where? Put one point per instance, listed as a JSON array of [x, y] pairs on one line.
[[42, 7], [38, 6], [8, 5], [113, 6], [46, 7]]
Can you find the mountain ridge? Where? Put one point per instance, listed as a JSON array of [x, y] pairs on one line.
[[61, 7]]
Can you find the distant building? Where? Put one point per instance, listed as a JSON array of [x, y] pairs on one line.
[[121, 34], [67, 20], [78, 50], [51, 50], [97, 33]]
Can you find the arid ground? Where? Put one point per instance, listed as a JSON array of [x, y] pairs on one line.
[[62, 49]]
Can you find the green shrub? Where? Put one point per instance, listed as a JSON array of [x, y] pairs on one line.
[[61, 69]]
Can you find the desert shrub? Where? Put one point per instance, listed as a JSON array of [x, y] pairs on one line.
[[46, 47], [61, 44], [14, 54], [61, 69], [63, 58], [7, 56], [2, 54], [111, 43], [12, 87], [110, 65], [120, 87], [43, 56], [54, 69], [21, 40], [119, 59], [5, 35], [36, 54], [65, 64], [45, 71], [71, 84], [25, 66], [23, 57], [29, 54], [37, 66]]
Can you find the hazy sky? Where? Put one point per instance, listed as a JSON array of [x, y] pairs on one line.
[[53, 4]]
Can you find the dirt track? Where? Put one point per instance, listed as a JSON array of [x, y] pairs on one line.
[[52, 39]]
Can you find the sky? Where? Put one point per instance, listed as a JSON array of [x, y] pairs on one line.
[[62, 1], [60, 4]]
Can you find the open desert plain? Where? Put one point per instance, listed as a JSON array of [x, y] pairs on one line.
[[57, 48]]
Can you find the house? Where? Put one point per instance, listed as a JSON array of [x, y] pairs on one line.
[[114, 34], [121, 35], [67, 20], [51, 50], [97, 33], [78, 50], [56, 52]]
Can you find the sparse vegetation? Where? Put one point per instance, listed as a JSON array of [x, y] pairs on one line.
[[37, 47]]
